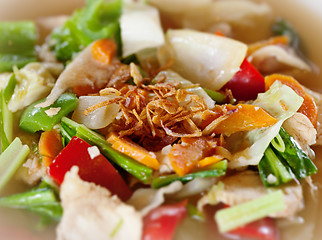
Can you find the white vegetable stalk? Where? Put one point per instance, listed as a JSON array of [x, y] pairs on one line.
[[140, 28], [203, 58]]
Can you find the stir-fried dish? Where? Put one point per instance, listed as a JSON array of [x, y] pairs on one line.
[[159, 120]]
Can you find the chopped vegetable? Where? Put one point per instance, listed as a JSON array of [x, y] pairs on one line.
[[282, 27], [34, 82], [133, 150], [17, 44], [41, 200], [246, 83], [161, 222], [218, 58], [263, 229], [11, 159], [280, 165], [215, 170], [237, 216], [272, 170], [140, 28], [104, 50], [244, 117], [36, 118], [93, 167], [138, 170], [50, 144], [97, 20], [281, 102], [308, 108], [195, 213], [99, 118], [6, 116], [218, 97]]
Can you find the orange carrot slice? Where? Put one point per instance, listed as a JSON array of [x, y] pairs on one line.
[[308, 108], [184, 157], [244, 117], [133, 150], [104, 50], [207, 161], [50, 144]]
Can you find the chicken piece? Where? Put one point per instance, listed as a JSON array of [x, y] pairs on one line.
[[301, 129], [318, 100], [83, 70], [91, 212], [246, 186], [272, 58]]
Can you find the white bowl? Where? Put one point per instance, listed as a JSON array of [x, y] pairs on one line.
[[305, 15]]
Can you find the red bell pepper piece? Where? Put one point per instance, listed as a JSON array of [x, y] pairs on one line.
[[246, 83], [263, 229], [97, 170], [161, 222]]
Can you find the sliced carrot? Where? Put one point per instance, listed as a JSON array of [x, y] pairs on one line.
[[243, 117], [184, 157], [133, 150], [104, 50], [308, 107], [50, 144], [205, 162]]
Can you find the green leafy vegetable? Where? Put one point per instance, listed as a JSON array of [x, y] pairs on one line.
[[98, 19], [11, 159], [41, 200], [282, 164], [233, 217], [296, 158], [133, 167], [36, 118], [17, 44], [272, 169], [282, 27], [216, 170]]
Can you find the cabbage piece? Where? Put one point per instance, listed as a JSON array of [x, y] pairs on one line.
[[281, 102], [202, 58], [173, 77], [140, 28], [34, 82], [100, 117]]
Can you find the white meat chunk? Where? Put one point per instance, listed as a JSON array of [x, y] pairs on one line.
[[301, 129], [271, 58], [83, 70], [246, 186], [91, 212], [318, 100]]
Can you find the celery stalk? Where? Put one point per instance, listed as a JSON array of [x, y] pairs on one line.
[[11, 159], [17, 44], [237, 216], [40, 200], [216, 170]]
